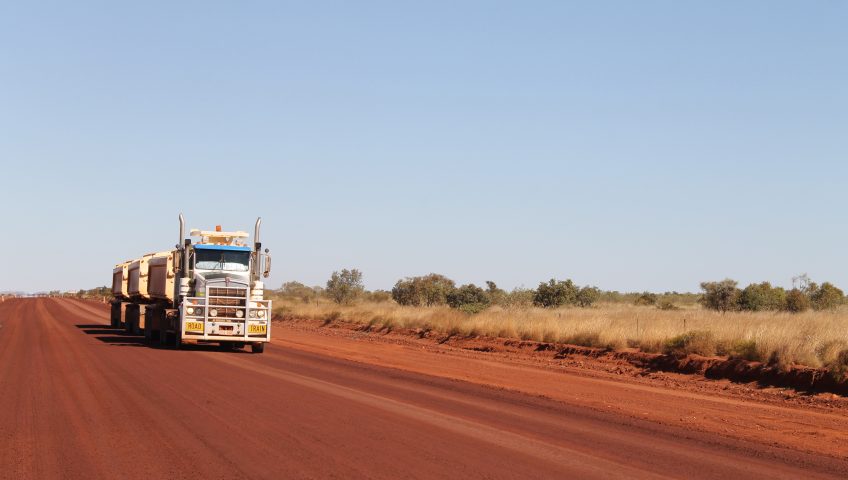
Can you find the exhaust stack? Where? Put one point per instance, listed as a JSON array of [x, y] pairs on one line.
[[182, 231], [257, 247]]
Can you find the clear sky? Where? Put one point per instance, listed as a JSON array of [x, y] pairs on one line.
[[629, 145]]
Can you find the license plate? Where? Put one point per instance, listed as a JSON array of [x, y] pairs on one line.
[[194, 327], [256, 328]]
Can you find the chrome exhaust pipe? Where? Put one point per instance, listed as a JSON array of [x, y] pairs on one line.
[[181, 287], [257, 246], [182, 231]]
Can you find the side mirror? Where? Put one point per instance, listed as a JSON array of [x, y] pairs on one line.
[[267, 264]]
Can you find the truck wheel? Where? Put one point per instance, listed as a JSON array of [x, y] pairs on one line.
[[257, 347], [115, 317]]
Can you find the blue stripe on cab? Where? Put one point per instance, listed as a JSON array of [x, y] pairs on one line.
[[202, 246]]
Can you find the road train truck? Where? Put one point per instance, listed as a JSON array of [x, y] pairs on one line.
[[203, 292]]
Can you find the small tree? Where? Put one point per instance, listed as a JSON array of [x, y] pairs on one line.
[[827, 297], [555, 294], [722, 296], [428, 290], [796, 301], [435, 288], [587, 296], [299, 291], [496, 295], [468, 298], [345, 286], [405, 293], [762, 296], [519, 298]]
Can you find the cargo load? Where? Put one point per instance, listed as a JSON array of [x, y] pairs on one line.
[[139, 283], [120, 280]]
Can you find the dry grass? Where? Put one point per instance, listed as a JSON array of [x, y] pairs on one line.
[[813, 338]]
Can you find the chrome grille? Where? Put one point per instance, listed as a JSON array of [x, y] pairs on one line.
[[227, 302], [227, 292]]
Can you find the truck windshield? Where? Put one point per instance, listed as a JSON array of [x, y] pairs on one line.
[[227, 261]]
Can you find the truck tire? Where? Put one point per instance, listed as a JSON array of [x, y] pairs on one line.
[[130, 318], [136, 325], [257, 347], [115, 317], [154, 323]]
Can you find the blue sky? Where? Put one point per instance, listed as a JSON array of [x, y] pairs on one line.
[[629, 145]]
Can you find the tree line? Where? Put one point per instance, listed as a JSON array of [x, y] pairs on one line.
[[726, 296], [346, 286]]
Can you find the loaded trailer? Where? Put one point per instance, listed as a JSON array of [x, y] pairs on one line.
[[204, 292]]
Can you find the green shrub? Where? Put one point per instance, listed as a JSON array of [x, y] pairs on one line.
[[587, 296], [722, 296], [762, 296], [496, 295], [555, 294], [299, 291], [405, 293], [345, 286], [796, 301], [827, 297], [468, 298], [519, 298], [428, 290]]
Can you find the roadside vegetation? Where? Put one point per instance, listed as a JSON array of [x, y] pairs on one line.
[[805, 325]]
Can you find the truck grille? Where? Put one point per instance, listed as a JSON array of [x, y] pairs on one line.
[[227, 297], [227, 292], [227, 302]]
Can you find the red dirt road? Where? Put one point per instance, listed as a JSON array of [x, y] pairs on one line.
[[79, 400]]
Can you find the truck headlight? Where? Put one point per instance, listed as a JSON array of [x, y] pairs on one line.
[[213, 313], [261, 313], [239, 313], [190, 310], [253, 314]]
